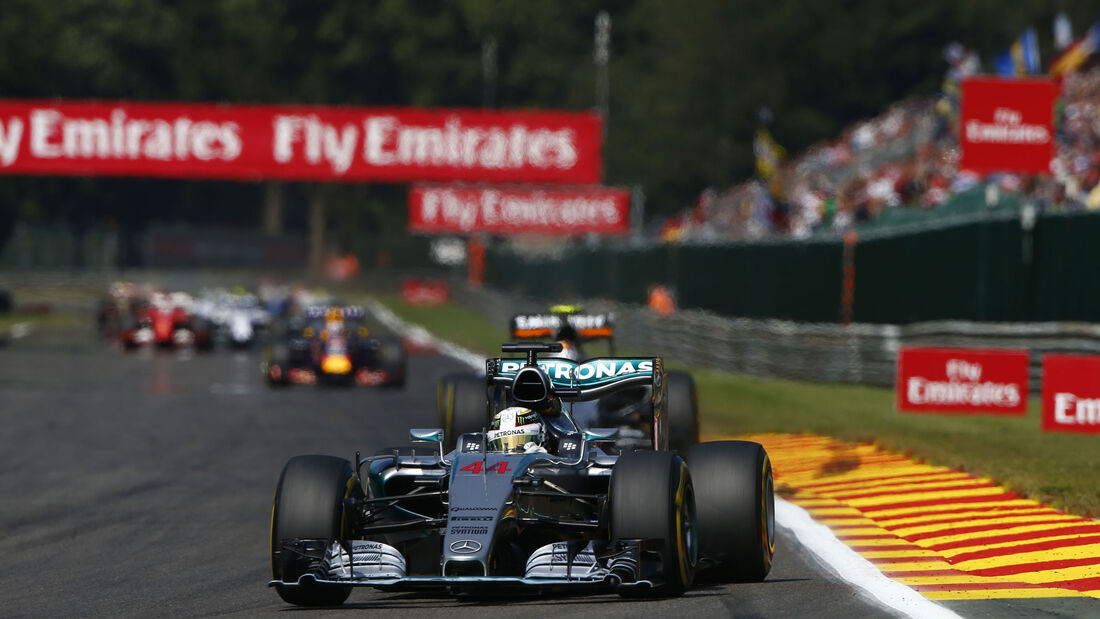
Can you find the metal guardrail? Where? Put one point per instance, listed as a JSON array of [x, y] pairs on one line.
[[857, 354]]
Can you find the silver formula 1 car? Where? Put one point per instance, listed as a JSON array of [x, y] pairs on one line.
[[561, 515]]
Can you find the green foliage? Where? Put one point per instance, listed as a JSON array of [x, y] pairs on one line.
[[686, 78]]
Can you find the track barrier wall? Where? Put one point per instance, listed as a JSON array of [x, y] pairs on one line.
[[857, 353], [984, 265]]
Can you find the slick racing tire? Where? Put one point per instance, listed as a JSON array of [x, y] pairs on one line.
[[683, 412], [201, 329], [736, 509], [652, 497], [277, 366], [463, 405], [309, 504], [391, 353]]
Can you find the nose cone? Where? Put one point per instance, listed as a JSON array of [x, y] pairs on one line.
[[336, 364]]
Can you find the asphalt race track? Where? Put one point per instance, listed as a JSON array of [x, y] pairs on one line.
[[141, 485]]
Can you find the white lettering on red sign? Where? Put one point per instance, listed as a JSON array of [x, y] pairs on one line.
[[54, 135], [388, 142], [923, 391], [298, 142], [1072, 410], [562, 210], [962, 380]]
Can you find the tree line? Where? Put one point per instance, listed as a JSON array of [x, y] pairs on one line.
[[685, 80]]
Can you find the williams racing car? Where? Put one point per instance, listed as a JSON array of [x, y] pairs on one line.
[[532, 504], [461, 406], [332, 345]]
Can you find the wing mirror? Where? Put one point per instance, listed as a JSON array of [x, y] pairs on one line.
[[434, 435]]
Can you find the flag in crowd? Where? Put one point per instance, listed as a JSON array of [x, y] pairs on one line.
[[1021, 58], [1076, 55], [1063, 32]]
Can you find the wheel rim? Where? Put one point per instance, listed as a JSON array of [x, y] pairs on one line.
[[687, 526], [769, 507]]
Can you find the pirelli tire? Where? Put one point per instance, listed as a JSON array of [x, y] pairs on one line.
[[277, 365], [736, 510], [651, 496], [463, 405], [309, 504], [683, 412], [391, 353]]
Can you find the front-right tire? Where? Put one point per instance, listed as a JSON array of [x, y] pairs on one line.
[[309, 504], [736, 509], [651, 497]]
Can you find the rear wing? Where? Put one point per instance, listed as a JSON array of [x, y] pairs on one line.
[[595, 378], [347, 312], [588, 327]]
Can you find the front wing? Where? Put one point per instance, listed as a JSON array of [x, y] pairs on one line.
[[554, 566]]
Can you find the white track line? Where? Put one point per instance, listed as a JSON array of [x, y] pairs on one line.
[[421, 336], [850, 566], [846, 563], [21, 329]]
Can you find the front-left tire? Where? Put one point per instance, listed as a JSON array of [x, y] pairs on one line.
[[309, 504], [651, 497]]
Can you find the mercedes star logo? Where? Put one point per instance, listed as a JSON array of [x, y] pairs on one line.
[[465, 546]]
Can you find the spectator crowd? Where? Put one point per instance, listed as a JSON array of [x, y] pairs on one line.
[[906, 158]]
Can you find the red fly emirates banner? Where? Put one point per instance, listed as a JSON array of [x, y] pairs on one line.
[[1007, 125], [297, 142], [519, 210], [1071, 393], [962, 380]]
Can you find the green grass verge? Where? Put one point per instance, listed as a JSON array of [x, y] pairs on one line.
[[59, 319], [1061, 470]]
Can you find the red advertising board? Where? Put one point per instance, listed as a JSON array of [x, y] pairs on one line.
[[519, 210], [962, 380], [1071, 393], [1007, 125], [427, 292], [322, 143]]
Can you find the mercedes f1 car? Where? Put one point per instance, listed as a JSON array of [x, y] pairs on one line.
[[565, 516], [461, 406], [332, 344]]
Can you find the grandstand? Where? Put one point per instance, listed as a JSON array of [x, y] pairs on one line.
[[901, 166]]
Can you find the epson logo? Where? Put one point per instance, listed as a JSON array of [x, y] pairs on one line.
[[473, 518]]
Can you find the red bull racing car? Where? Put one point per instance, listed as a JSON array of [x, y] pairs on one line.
[[332, 344]]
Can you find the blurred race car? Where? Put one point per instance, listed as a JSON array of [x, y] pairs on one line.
[[237, 317], [332, 344], [164, 321], [534, 504], [459, 396]]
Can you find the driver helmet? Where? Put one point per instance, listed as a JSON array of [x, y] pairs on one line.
[[515, 430]]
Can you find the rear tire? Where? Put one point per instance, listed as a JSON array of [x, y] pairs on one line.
[[652, 497], [309, 504], [393, 358], [736, 507], [683, 412]]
